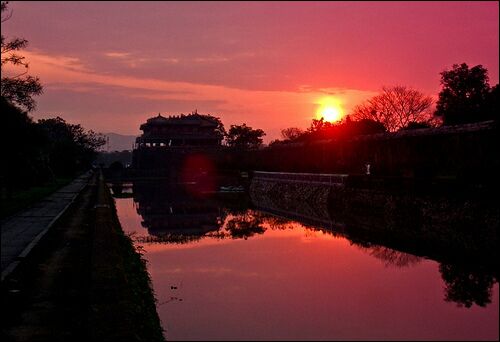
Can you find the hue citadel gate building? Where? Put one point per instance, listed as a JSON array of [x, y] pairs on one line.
[[167, 141]]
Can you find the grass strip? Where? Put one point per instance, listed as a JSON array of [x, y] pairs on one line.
[[21, 199]]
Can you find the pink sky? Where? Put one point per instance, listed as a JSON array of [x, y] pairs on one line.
[[112, 65]]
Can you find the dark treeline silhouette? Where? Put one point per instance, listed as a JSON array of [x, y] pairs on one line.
[[35, 152], [322, 130]]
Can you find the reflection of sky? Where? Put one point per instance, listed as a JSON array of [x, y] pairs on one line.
[[301, 284]]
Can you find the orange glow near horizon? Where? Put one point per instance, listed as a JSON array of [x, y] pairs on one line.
[[330, 109]]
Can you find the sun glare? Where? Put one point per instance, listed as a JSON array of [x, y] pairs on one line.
[[329, 109]]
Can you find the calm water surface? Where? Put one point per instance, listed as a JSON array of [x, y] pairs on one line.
[[249, 275]]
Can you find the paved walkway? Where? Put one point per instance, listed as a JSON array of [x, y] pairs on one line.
[[21, 232]]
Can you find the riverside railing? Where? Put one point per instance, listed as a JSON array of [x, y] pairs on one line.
[[309, 178]]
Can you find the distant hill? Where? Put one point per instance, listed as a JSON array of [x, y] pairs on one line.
[[118, 142]]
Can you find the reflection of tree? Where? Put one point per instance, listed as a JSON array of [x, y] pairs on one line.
[[278, 223], [467, 287], [391, 257], [241, 226]]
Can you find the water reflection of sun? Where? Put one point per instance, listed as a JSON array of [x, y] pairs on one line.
[[330, 109]]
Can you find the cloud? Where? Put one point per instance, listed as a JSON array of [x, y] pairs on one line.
[[213, 59], [117, 54], [170, 60]]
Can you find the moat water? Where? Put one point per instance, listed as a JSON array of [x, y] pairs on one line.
[[223, 270]]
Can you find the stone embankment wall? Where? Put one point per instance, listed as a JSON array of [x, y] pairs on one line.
[[308, 200], [439, 225]]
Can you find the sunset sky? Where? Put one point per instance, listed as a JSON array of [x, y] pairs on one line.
[[112, 65]]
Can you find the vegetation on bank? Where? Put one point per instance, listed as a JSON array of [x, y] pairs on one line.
[[148, 324], [121, 280]]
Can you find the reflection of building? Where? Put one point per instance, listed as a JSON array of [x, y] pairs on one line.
[[168, 209], [166, 139]]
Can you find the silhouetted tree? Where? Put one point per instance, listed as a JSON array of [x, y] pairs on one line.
[[243, 136], [17, 88], [395, 107], [391, 257], [220, 130], [347, 128], [467, 287], [466, 95], [291, 133], [319, 125], [244, 226]]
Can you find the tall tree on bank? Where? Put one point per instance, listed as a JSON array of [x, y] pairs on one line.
[[396, 108], [16, 86], [244, 137], [465, 95]]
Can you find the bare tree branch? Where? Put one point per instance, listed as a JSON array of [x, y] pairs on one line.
[[396, 107]]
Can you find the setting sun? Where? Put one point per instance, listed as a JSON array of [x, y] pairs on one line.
[[329, 109], [331, 114]]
